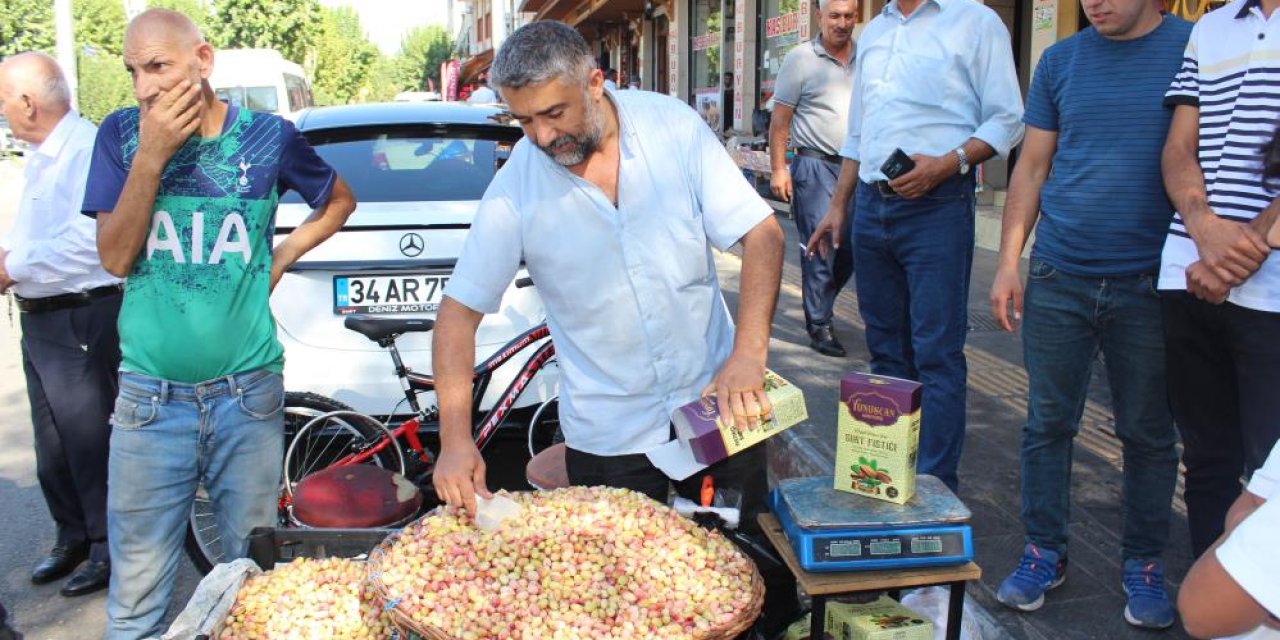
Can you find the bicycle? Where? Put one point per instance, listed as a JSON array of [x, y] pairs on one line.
[[321, 432]]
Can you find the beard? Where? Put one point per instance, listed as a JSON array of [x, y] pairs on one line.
[[574, 149]]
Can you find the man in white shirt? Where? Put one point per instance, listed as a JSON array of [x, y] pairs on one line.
[[69, 305], [612, 201], [1232, 589], [483, 94]]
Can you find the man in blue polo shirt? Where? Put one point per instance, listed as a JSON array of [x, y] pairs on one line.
[[1090, 172]]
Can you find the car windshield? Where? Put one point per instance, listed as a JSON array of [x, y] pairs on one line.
[[252, 98], [409, 167]]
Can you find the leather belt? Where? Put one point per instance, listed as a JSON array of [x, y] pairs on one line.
[[814, 153], [66, 300], [883, 187]]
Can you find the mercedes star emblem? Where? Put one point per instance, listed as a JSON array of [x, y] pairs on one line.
[[411, 245]]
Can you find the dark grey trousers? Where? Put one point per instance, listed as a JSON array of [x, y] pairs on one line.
[[71, 358], [812, 182]]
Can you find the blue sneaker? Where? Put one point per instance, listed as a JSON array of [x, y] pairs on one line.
[[1039, 571], [1149, 605]]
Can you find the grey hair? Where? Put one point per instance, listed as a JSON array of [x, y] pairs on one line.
[[540, 51], [38, 75]]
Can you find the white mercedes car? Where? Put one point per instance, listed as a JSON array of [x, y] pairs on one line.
[[418, 170]]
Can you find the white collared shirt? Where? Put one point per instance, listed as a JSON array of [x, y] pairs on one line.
[[929, 81], [52, 247], [631, 292]]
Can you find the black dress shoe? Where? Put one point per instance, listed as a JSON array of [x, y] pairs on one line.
[[61, 561], [92, 576], [824, 341]]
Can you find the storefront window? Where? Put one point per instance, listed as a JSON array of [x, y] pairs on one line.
[[780, 26], [704, 64]]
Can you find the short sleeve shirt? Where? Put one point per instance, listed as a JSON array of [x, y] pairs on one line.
[[631, 293], [818, 87], [1104, 212], [196, 303], [1229, 73]]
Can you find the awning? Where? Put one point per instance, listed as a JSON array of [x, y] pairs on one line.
[[472, 67]]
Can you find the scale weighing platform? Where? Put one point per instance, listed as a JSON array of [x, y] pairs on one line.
[[836, 531]]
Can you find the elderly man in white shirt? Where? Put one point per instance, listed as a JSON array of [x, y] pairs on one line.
[[613, 202], [68, 304]]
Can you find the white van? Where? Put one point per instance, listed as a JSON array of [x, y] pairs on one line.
[[260, 80]]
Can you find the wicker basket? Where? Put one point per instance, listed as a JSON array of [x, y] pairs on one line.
[[727, 631]]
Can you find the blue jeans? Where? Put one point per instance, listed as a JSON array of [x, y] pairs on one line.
[[168, 438], [1067, 320], [822, 278], [911, 263]]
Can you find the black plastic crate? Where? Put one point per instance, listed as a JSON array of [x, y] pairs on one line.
[[268, 546]]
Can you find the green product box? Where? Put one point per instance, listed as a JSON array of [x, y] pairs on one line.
[[884, 619], [878, 436]]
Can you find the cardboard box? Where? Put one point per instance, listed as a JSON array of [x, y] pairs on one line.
[[698, 423], [883, 619], [878, 436]]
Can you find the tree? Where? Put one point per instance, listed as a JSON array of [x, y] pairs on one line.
[[288, 26], [422, 51], [104, 86], [200, 12], [26, 25], [99, 24], [344, 58]]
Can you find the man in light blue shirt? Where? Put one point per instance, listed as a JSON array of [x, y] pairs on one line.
[[934, 78], [613, 202]]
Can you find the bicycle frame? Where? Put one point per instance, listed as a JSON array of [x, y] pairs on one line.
[[485, 428]]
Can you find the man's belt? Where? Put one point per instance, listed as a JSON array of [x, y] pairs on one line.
[[66, 300], [814, 153]]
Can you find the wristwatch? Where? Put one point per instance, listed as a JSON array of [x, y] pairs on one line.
[[964, 160]]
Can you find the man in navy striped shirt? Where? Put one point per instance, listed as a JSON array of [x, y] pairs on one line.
[[1219, 280], [1090, 172]]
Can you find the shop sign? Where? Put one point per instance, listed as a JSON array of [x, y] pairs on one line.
[[803, 19], [739, 61], [706, 41], [782, 25]]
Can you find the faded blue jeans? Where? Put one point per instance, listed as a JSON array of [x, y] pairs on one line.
[[168, 438], [1067, 320], [911, 263]]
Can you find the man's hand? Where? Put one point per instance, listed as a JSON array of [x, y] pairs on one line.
[[459, 476], [1006, 289], [1232, 251], [1203, 283], [826, 236], [928, 173], [739, 391], [780, 184], [5, 280], [169, 122]]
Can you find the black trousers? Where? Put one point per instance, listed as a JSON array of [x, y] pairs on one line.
[[745, 472], [71, 358], [1223, 369]]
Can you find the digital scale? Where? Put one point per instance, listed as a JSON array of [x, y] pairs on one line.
[[835, 531]]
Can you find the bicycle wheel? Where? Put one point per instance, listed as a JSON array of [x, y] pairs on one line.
[[544, 426], [204, 537]]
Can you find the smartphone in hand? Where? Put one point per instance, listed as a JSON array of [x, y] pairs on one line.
[[898, 164]]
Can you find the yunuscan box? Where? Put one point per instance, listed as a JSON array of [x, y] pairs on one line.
[[878, 436], [699, 426]]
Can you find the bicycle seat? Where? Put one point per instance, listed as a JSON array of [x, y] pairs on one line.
[[380, 329]]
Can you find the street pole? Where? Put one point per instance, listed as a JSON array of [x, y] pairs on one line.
[[66, 46]]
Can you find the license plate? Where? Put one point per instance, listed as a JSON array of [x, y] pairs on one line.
[[395, 293]]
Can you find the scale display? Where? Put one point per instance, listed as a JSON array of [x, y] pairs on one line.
[[846, 532]]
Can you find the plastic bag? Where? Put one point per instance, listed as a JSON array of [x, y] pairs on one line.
[[932, 602], [212, 601]]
